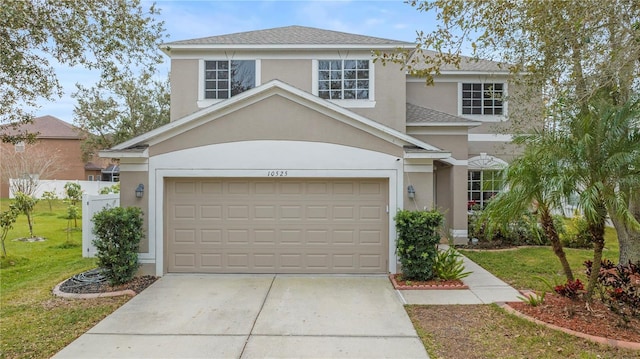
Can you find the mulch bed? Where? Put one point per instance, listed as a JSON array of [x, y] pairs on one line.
[[595, 319], [137, 284], [402, 284]]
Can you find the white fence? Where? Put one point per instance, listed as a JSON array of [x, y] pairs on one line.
[[57, 186], [90, 206]]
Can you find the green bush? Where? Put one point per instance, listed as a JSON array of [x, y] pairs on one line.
[[418, 235], [119, 231], [448, 265], [578, 235], [525, 230]]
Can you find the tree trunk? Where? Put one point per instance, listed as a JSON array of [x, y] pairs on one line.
[[550, 230], [628, 238], [30, 225], [597, 234]]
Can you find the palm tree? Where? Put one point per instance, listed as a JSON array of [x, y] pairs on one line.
[[532, 181], [598, 147]]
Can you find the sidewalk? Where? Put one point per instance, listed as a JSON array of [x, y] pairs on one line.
[[484, 288]]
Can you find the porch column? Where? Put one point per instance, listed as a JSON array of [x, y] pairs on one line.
[[459, 226]]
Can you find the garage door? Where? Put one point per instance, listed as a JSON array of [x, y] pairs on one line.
[[276, 225]]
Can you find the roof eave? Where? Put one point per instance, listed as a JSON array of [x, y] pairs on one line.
[[445, 124], [429, 155], [124, 154], [167, 48]]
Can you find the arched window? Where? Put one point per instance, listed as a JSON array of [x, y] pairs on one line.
[[484, 179]]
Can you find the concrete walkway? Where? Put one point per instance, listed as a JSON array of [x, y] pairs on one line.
[[269, 316], [484, 288]]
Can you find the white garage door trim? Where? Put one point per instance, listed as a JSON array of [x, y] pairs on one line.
[[257, 159]]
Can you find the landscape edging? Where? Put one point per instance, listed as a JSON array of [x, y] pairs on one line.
[[424, 287], [58, 293], [600, 340]]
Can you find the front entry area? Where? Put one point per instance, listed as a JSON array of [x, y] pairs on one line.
[[276, 225]]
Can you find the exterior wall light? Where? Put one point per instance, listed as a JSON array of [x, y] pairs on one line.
[[140, 191], [411, 192]]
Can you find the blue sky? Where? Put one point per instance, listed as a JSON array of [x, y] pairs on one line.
[[392, 19]]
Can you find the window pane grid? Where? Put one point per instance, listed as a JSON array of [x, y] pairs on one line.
[[482, 99], [226, 78], [482, 186], [343, 79]]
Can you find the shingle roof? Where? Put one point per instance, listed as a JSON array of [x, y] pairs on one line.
[[46, 127], [290, 35], [422, 115], [469, 64]]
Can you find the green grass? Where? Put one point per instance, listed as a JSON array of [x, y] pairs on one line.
[[34, 323], [487, 331], [519, 267]]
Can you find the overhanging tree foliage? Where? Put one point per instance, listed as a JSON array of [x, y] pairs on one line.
[[112, 112], [566, 51], [103, 35]]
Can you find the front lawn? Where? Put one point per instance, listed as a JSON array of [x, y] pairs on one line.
[[519, 267], [34, 323]]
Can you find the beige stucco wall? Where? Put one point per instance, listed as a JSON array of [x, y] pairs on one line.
[[389, 82], [451, 198], [456, 144], [422, 183], [504, 151], [443, 96], [184, 88], [128, 183], [276, 118], [296, 73], [390, 89]]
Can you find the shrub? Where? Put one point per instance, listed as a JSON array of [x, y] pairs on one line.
[[111, 189], [621, 287], [448, 265], [533, 299], [418, 235], [578, 235], [73, 191], [119, 231], [570, 289], [525, 230]]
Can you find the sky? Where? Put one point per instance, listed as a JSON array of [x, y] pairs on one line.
[[391, 19]]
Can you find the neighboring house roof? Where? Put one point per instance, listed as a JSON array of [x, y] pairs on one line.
[[90, 166], [422, 116], [46, 127], [275, 86], [467, 64], [289, 36]]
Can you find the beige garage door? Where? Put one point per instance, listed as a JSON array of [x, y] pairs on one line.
[[276, 225]]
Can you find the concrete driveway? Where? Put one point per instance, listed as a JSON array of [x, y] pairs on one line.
[[257, 316]]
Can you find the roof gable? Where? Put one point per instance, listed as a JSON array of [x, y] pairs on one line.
[[289, 36], [46, 127], [261, 92]]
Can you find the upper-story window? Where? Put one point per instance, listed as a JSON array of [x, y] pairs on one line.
[[343, 79], [226, 78], [482, 99], [19, 147]]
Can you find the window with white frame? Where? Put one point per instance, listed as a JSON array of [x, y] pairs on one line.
[[226, 78], [483, 98], [484, 179], [343, 79], [19, 147]]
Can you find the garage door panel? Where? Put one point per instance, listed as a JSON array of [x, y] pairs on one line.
[[276, 225]]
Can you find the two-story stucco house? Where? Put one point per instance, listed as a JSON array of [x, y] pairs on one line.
[[290, 151]]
